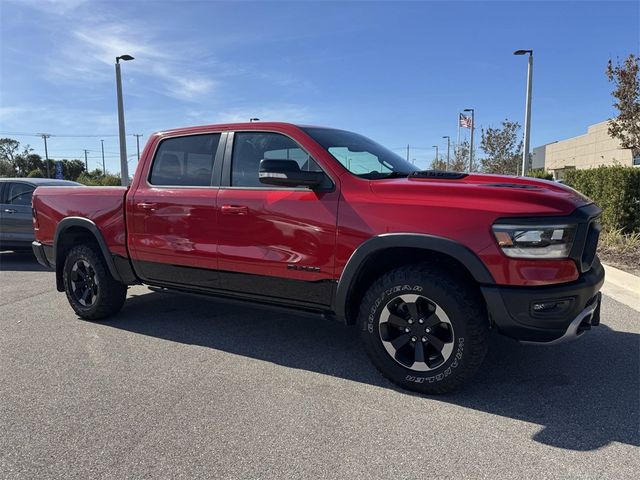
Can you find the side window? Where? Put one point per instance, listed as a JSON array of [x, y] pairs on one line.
[[19, 194], [185, 161], [249, 148]]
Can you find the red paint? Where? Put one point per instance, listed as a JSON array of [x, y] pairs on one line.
[[261, 231]]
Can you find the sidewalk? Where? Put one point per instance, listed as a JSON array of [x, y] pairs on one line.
[[622, 286]]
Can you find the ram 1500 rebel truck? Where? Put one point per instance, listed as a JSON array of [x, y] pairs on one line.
[[425, 263]]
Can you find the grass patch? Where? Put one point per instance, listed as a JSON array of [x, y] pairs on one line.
[[622, 250]]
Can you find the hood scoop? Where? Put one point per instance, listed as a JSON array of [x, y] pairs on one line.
[[438, 174], [513, 185]]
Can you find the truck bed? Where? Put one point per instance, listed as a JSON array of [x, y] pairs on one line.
[[102, 205]]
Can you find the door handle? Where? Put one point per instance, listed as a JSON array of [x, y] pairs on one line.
[[10, 210], [147, 206], [234, 210]]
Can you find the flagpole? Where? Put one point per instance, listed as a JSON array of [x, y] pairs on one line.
[[473, 126], [458, 140]]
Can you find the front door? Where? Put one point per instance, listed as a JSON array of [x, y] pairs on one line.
[[16, 224], [173, 230], [274, 241]]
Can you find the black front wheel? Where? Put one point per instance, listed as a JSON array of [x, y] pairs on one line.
[[425, 329], [92, 291]]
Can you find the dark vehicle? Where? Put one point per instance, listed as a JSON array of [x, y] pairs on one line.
[[425, 263], [16, 220]]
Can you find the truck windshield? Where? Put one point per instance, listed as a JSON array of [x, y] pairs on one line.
[[361, 156]]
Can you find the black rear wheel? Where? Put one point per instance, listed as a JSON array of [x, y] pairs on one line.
[[92, 291], [425, 329]]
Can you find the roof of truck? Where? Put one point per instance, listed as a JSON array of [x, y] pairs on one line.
[[237, 126]]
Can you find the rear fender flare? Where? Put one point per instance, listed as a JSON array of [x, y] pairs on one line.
[[92, 228]]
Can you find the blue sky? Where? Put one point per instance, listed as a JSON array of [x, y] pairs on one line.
[[397, 72]]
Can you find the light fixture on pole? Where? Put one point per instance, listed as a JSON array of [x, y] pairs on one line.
[[448, 150], [473, 127], [527, 114], [251, 120], [124, 167]]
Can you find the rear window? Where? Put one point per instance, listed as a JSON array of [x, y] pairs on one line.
[[185, 161]]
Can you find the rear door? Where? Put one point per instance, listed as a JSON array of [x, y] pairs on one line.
[[16, 222], [173, 235]]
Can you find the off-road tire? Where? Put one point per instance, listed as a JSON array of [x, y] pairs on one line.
[[107, 294], [463, 308]]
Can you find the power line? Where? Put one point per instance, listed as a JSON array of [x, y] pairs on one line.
[[59, 135]]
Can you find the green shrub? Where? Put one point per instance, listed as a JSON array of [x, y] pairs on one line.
[[97, 179], [35, 173], [616, 189], [540, 173]]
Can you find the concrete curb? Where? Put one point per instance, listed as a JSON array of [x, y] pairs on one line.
[[622, 286]]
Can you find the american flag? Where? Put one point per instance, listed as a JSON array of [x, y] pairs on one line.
[[465, 121]]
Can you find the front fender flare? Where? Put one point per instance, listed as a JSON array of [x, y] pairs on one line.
[[463, 254]]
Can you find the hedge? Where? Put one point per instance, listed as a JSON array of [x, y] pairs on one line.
[[616, 189], [540, 173]]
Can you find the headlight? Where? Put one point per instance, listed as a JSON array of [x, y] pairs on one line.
[[535, 241]]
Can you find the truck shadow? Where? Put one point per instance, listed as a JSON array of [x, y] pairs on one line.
[[584, 394], [20, 261]]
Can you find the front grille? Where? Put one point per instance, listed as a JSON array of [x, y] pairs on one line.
[[590, 245]]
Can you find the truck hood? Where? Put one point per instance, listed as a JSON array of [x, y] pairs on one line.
[[496, 193]]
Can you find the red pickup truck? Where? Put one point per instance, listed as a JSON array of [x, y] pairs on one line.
[[425, 263]]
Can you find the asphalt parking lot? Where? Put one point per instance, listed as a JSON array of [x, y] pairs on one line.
[[191, 387]]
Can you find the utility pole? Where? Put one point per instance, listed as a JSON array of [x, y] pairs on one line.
[[448, 149], [138, 135], [407, 152], [46, 152], [473, 127], [86, 162], [104, 170]]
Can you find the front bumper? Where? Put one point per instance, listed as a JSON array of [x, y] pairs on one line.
[[43, 253], [547, 314]]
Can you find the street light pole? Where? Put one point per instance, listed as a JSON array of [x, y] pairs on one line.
[[527, 114], [473, 127], [86, 162], [124, 167], [448, 149], [436, 147], [104, 170]]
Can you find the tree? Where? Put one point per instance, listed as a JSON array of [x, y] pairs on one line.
[[626, 126], [8, 152], [27, 162], [439, 164], [72, 169], [460, 159], [502, 147]]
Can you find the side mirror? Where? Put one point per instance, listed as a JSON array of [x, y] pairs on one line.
[[287, 173]]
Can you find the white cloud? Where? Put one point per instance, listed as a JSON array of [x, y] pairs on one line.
[[86, 52]]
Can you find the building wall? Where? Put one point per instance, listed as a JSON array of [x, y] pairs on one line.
[[594, 149], [538, 157]]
